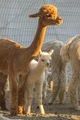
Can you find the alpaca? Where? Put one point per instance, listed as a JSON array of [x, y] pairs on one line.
[[36, 76], [49, 79], [71, 51], [45, 84], [57, 69], [15, 59], [3, 80]]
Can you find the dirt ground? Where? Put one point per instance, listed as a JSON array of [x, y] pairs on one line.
[[53, 112]]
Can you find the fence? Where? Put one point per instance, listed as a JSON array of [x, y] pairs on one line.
[[15, 23]]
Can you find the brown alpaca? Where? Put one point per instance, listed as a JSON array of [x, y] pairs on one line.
[[15, 59]]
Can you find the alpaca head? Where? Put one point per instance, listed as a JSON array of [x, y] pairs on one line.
[[48, 15], [45, 58]]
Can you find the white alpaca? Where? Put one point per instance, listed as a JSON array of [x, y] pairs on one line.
[[71, 51], [36, 77]]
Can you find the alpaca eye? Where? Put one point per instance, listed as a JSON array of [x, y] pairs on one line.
[[48, 15], [43, 60]]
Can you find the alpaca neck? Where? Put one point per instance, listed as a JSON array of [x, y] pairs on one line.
[[38, 40]]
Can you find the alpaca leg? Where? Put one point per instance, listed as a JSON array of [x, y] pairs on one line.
[[25, 99], [2, 99], [29, 98], [72, 90], [39, 97], [51, 85], [56, 87], [21, 94], [45, 87], [13, 95], [61, 93], [62, 87], [3, 80]]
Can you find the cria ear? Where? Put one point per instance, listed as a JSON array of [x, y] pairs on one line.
[[40, 52], [34, 15], [51, 51]]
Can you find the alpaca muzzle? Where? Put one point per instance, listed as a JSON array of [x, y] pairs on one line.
[[48, 64]]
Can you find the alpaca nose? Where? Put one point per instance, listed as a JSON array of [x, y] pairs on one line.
[[48, 64], [59, 19]]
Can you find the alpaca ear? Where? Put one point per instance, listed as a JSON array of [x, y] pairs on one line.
[[34, 15], [40, 52], [51, 51]]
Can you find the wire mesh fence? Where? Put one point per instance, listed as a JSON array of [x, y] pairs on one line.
[[16, 25]]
